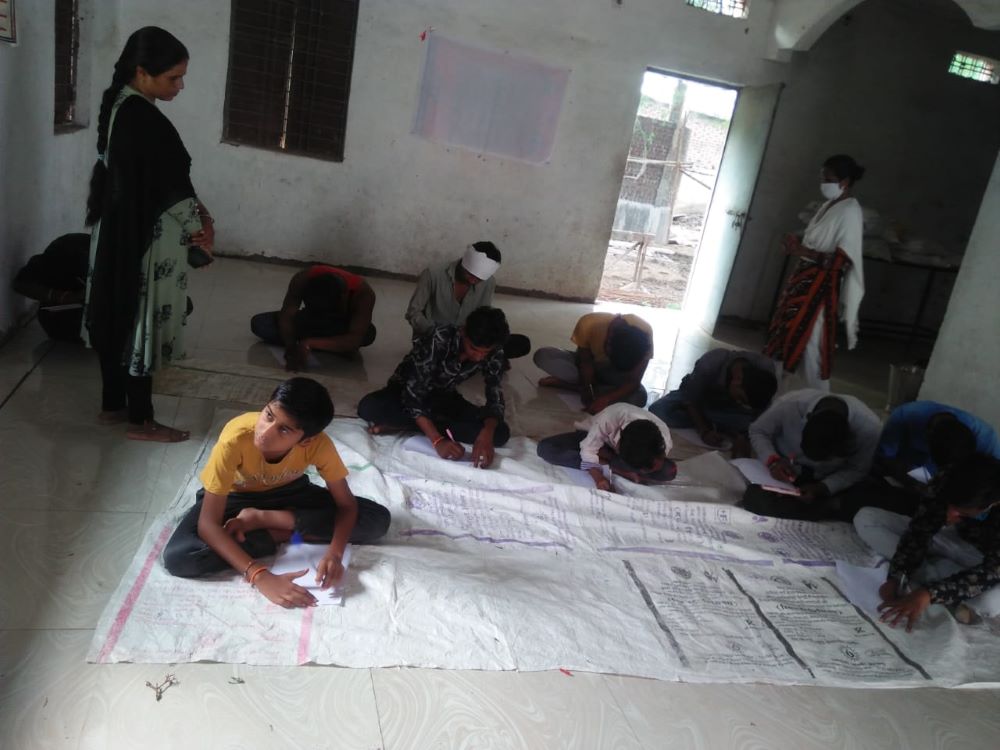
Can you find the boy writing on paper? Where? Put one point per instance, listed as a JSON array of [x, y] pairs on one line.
[[948, 553], [919, 440], [821, 443], [630, 441], [610, 360], [256, 495], [421, 395], [721, 396]]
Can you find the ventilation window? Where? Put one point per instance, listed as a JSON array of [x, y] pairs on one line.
[[975, 67], [731, 8]]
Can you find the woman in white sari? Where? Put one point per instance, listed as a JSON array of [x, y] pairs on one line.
[[827, 281]]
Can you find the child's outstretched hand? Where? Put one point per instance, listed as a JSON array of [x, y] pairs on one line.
[[329, 571], [905, 609], [282, 591]]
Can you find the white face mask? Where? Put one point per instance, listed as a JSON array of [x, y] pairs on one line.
[[831, 190]]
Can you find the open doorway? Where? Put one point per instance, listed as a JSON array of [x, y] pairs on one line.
[[677, 144]]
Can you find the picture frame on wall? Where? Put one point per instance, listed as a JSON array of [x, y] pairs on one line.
[[8, 30]]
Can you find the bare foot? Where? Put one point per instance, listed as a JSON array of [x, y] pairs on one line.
[[113, 417], [157, 433]]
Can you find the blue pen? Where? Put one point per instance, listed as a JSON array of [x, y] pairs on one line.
[[296, 538]]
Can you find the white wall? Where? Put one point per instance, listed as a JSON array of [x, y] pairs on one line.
[[876, 86], [965, 364], [43, 177], [398, 202]]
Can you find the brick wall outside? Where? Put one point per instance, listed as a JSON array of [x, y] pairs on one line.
[[707, 139]]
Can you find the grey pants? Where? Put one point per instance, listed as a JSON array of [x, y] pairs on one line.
[[562, 364]]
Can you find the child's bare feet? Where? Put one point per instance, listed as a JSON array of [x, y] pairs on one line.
[[113, 417], [155, 432], [248, 519]]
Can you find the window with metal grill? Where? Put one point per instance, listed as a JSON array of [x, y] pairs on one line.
[[733, 8], [67, 46], [290, 75], [976, 67]]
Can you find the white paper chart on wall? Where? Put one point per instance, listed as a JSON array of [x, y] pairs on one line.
[[489, 101]]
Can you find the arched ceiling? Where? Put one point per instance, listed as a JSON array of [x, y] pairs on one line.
[[797, 24]]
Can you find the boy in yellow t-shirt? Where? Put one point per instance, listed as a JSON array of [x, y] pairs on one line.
[[256, 494], [612, 352]]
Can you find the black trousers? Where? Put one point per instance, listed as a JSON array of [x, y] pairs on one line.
[[873, 492], [449, 411], [119, 390], [187, 556], [265, 326]]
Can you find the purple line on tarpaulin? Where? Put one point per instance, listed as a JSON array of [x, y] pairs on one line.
[[812, 563], [490, 539], [683, 553]]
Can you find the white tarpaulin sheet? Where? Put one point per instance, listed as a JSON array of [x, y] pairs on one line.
[[516, 568]]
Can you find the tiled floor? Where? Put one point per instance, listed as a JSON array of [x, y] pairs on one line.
[[75, 499]]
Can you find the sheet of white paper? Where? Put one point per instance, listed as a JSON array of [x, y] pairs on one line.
[[692, 436], [572, 400], [298, 556], [756, 473], [861, 585], [279, 354], [920, 474], [420, 444]]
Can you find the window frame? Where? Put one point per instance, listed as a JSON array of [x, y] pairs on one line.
[[67, 116], [968, 65], [308, 72], [721, 10]]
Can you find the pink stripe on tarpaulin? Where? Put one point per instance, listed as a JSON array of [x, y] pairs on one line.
[[306, 634], [133, 595]]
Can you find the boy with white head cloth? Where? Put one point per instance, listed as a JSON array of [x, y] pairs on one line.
[[447, 292]]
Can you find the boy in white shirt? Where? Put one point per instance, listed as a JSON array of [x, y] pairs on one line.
[[630, 441]]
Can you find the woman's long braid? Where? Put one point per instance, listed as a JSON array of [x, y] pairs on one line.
[[122, 75]]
